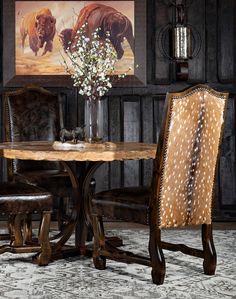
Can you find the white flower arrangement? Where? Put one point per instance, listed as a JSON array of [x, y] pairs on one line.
[[92, 62]]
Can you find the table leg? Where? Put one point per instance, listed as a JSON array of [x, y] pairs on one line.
[[80, 220], [59, 245], [88, 189], [83, 226]]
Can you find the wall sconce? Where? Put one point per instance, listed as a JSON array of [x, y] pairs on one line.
[[184, 40]]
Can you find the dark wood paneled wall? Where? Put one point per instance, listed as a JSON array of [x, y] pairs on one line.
[[134, 114]]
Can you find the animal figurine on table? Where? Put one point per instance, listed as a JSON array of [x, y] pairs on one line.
[[74, 135], [78, 134]]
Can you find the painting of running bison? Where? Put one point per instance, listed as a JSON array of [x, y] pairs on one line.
[[44, 29], [108, 19], [40, 27]]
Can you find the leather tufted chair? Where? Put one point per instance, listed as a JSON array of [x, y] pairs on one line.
[[30, 114], [182, 187], [17, 201]]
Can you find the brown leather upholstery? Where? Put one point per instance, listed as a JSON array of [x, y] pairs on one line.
[[182, 184], [22, 198], [18, 201], [33, 113]]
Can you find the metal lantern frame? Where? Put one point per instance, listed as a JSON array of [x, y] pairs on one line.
[[186, 39]]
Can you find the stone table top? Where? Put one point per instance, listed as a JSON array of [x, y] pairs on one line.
[[108, 151]]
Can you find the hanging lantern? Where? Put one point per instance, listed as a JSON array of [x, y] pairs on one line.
[[186, 40]]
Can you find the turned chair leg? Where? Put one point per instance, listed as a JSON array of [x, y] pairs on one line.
[[99, 243], [17, 231], [11, 228], [157, 256], [45, 255], [210, 258], [28, 228]]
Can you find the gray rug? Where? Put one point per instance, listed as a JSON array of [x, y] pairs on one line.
[[77, 278]]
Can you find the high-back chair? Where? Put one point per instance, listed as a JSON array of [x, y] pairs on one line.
[[33, 113], [181, 192]]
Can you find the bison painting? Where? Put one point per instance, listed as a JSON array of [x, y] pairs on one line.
[[108, 19], [40, 27]]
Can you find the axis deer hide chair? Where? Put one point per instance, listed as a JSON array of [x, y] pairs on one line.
[[182, 187], [35, 114], [17, 201]]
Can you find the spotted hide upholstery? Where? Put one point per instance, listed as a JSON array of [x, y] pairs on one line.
[[192, 137], [182, 186]]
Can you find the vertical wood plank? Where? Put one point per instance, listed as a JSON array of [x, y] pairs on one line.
[[147, 137], [140, 40], [114, 135], [211, 29], [158, 114], [131, 125], [227, 167], [226, 28], [196, 17], [151, 41], [71, 113], [80, 111], [163, 67]]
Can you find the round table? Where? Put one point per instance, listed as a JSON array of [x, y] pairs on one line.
[[95, 155]]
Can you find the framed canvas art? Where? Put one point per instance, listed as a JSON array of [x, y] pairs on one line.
[[36, 34]]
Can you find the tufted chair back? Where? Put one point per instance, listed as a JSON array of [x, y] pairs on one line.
[[32, 113], [187, 156]]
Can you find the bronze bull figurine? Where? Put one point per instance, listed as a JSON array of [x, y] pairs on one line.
[[74, 135]]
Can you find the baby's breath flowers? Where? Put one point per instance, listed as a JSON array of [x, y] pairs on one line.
[[92, 61]]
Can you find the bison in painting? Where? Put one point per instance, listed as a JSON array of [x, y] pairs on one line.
[[108, 19], [40, 27]]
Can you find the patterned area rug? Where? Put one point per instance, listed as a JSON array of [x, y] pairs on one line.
[[77, 278]]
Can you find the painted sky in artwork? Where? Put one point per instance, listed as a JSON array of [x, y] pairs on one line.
[[66, 13]]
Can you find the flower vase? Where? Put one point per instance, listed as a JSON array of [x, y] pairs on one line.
[[93, 120]]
